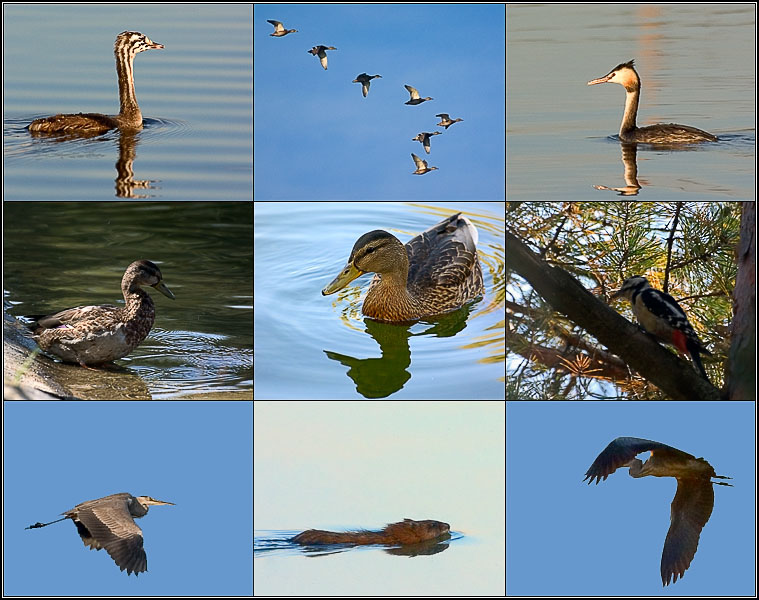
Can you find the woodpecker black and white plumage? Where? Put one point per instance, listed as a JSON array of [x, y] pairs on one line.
[[661, 316]]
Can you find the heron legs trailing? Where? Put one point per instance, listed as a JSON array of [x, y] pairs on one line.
[[38, 524]]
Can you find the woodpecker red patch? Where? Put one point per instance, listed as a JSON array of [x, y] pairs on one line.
[[680, 341]]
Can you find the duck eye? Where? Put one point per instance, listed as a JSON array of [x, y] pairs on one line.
[[370, 250]]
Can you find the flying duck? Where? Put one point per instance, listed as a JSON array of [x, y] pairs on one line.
[[320, 52], [365, 80], [421, 165], [445, 120], [424, 138], [279, 30], [415, 99]]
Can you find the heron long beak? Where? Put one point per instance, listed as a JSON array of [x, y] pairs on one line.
[[153, 502]]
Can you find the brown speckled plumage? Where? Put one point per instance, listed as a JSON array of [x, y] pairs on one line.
[[91, 335], [435, 272], [128, 44]]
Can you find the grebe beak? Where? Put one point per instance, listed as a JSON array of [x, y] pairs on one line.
[[603, 79]]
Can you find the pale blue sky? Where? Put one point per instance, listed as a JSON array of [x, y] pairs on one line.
[[566, 538], [317, 138], [196, 454]]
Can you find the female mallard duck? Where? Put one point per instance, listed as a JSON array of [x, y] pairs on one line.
[[321, 52], [91, 335], [435, 272]]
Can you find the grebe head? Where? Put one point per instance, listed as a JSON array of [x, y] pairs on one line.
[[624, 74], [134, 42]]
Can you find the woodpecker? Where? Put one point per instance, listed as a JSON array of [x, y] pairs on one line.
[[661, 316]]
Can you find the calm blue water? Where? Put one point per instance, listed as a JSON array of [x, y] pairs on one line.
[[313, 346], [195, 96]]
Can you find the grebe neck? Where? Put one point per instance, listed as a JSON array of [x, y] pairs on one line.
[[129, 110], [632, 97], [128, 45]]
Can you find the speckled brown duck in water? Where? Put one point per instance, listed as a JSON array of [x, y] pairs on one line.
[[435, 272], [91, 335]]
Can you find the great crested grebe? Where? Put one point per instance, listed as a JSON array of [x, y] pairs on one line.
[[128, 45], [669, 133]]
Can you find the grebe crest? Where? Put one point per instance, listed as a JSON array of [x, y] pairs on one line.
[[664, 133]]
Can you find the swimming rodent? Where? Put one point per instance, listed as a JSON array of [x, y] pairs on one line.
[[407, 531]]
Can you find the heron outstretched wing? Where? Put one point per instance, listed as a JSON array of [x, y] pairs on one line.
[[691, 509], [111, 526], [620, 452]]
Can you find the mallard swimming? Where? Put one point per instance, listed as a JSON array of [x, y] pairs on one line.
[[445, 120], [91, 335], [365, 81], [435, 272], [279, 29], [424, 138], [415, 98], [320, 51]]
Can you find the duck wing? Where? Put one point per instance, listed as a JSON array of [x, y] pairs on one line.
[[71, 317], [443, 260], [412, 91]]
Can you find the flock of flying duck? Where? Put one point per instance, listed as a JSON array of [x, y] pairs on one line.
[[365, 81]]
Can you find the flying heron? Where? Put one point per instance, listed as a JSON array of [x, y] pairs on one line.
[[694, 499], [109, 523]]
